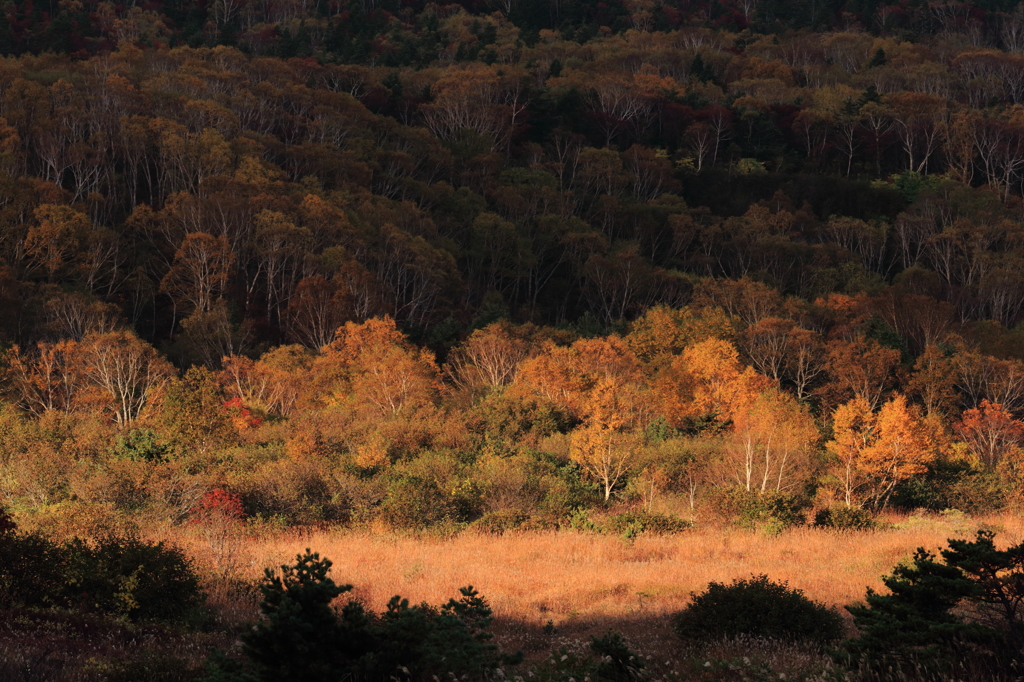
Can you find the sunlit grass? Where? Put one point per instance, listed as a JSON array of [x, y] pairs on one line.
[[584, 582]]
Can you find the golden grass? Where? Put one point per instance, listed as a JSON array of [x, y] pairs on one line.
[[566, 576], [585, 584]]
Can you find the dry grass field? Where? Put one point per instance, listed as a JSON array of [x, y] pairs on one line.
[[585, 584]]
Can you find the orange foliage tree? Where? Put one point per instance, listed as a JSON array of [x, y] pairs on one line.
[[373, 366], [771, 444], [51, 378], [53, 243], [127, 370], [706, 381], [274, 383], [490, 357], [199, 272], [991, 433], [861, 368], [110, 371], [876, 452], [567, 375], [663, 332]]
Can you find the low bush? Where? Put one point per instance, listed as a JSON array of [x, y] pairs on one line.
[[617, 662], [845, 518], [32, 571], [770, 511], [501, 521], [758, 607], [632, 523], [417, 503], [125, 577], [134, 579]]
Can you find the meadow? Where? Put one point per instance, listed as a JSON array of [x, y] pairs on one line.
[[551, 593], [555, 590]]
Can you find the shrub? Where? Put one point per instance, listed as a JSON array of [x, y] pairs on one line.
[[770, 510], [954, 485], [618, 663], [134, 579], [32, 571], [125, 577], [845, 518], [417, 503], [501, 521], [139, 444], [632, 523], [759, 608]]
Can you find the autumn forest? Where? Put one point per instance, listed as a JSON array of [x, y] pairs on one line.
[[626, 268]]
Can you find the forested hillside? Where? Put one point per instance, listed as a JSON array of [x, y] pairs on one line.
[[502, 263]]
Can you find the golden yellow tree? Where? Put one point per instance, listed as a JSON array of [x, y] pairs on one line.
[[853, 427], [771, 443], [901, 449], [607, 446]]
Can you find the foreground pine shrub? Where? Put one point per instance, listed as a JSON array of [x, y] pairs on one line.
[[618, 662], [963, 609], [758, 607], [303, 637]]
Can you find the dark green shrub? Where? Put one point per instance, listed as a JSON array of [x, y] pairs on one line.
[[977, 493], [134, 579], [953, 485], [758, 608], [124, 577], [32, 571], [415, 502], [501, 521], [845, 518], [141, 445]]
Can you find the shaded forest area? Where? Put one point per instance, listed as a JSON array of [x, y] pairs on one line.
[[498, 265]]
